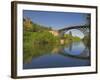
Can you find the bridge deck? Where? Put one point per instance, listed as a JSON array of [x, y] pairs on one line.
[[73, 27]]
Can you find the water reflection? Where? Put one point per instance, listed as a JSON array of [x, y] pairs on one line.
[[77, 49], [48, 56]]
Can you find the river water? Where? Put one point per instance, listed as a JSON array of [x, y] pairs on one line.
[[74, 54]]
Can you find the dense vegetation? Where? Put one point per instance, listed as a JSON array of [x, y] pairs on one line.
[[35, 37], [37, 40], [34, 27], [35, 33], [72, 38], [87, 40], [38, 34]]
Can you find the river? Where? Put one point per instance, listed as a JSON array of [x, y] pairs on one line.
[[74, 54]]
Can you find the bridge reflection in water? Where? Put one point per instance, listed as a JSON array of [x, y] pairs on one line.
[[76, 52], [71, 55]]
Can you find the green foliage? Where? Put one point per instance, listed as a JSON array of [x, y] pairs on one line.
[[37, 34], [37, 40], [70, 37], [40, 37], [36, 44], [86, 40], [34, 51], [34, 27], [76, 38], [67, 36]]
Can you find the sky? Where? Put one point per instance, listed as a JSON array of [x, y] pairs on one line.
[[56, 20]]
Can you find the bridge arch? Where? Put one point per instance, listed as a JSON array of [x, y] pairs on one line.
[[83, 29], [75, 32]]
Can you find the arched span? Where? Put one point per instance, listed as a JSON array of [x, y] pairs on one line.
[[75, 32], [84, 29]]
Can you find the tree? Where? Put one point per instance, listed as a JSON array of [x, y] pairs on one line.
[[88, 19], [70, 33]]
